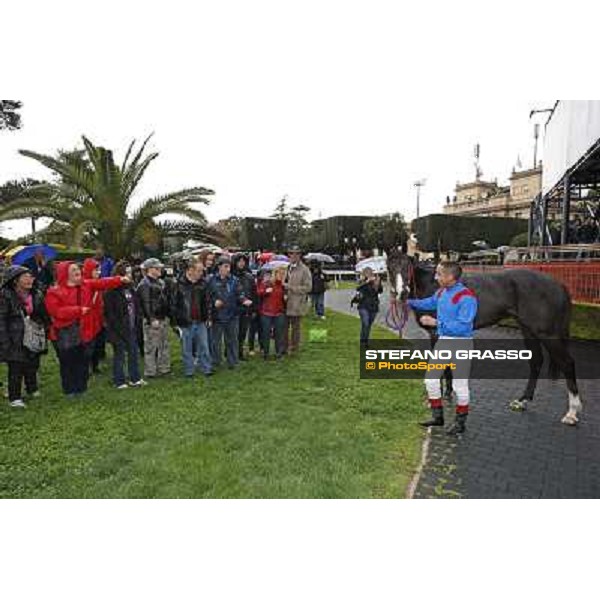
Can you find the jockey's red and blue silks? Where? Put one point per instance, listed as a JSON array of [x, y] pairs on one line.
[[456, 308]]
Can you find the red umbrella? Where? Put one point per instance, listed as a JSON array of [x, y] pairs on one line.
[[265, 257]]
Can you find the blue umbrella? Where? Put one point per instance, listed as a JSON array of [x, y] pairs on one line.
[[28, 252], [281, 257]]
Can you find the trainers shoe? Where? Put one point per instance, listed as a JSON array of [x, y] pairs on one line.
[[123, 386], [139, 383], [18, 403]]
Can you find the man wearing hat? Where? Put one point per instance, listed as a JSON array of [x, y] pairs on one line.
[[297, 284], [154, 301], [21, 307]]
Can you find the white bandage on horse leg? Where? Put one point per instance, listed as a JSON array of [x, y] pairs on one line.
[[574, 407]]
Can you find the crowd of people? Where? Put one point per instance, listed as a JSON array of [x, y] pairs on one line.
[[220, 309]]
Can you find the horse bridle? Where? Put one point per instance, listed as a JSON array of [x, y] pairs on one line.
[[410, 286], [397, 314]]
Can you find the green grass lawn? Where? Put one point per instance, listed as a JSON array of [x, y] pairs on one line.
[[306, 427]]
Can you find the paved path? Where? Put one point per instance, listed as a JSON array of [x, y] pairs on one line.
[[506, 454]]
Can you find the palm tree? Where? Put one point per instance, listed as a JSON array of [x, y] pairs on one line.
[[92, 196]]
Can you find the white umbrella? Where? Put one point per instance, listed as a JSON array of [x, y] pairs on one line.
[[377, 263], [275, 264], [319, 257]]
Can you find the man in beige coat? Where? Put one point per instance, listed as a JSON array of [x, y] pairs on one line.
[[297, 285]]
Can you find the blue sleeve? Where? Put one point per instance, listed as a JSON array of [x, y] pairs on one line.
[[424, 303], [463, 323]]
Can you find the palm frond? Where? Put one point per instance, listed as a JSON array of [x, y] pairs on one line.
[[127, 155], [171, 203], [75, 172], [132, 176]]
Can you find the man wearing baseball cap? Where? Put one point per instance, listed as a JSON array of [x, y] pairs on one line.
[[154, 302]]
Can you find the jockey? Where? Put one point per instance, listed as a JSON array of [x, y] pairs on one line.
[[456, 308]]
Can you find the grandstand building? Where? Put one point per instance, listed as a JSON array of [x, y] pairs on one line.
[[488, 199]]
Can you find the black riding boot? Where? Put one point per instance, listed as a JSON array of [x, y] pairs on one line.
[[459, 426], [437, 418]]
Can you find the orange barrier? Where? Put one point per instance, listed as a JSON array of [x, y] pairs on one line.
[[581, 279]]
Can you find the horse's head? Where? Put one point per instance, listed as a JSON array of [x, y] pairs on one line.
[[400, 267]]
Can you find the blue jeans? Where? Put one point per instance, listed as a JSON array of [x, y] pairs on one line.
[[318, 302], [195, 349], [278, 325], [132, 350], [227, 330], [366, 321]]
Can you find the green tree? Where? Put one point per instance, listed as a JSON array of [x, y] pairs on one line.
[[297, 225], [92, 195], [18, 188], [9, 116], [385, 231], [293, 222], [230, 230]]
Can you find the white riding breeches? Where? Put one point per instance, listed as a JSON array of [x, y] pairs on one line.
[[460, 376]]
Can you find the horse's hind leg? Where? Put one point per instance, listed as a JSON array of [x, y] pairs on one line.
[[561, 358], [535, 366]]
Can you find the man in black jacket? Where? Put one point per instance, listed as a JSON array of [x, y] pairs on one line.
[[319, 286], [191, 313], [247, 313], [123, 319], [154, 299]]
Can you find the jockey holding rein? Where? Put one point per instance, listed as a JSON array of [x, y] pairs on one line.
[[456, 308]]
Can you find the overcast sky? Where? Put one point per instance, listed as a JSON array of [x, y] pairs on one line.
[[341, 106]]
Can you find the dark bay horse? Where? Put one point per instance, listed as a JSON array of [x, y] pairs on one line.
[[540, 304]]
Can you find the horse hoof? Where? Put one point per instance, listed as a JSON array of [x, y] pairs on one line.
[[570, 419], [518, 405]]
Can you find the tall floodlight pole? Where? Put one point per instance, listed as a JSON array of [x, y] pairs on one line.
[[536, 130], [419, 184], [536, 135]]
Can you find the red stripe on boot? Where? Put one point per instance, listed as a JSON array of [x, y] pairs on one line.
[[435, 402], [462, 409]]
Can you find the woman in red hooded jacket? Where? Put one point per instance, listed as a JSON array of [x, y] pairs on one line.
[[271, 309], [74, 321]]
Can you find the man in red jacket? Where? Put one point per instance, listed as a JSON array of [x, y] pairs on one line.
[[74, 324], [95, 347], [272, 312]]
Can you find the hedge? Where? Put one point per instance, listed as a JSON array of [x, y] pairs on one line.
[[451, 232]]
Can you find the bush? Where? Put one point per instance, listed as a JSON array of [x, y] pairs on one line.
[[450, 232], [519, 240]]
